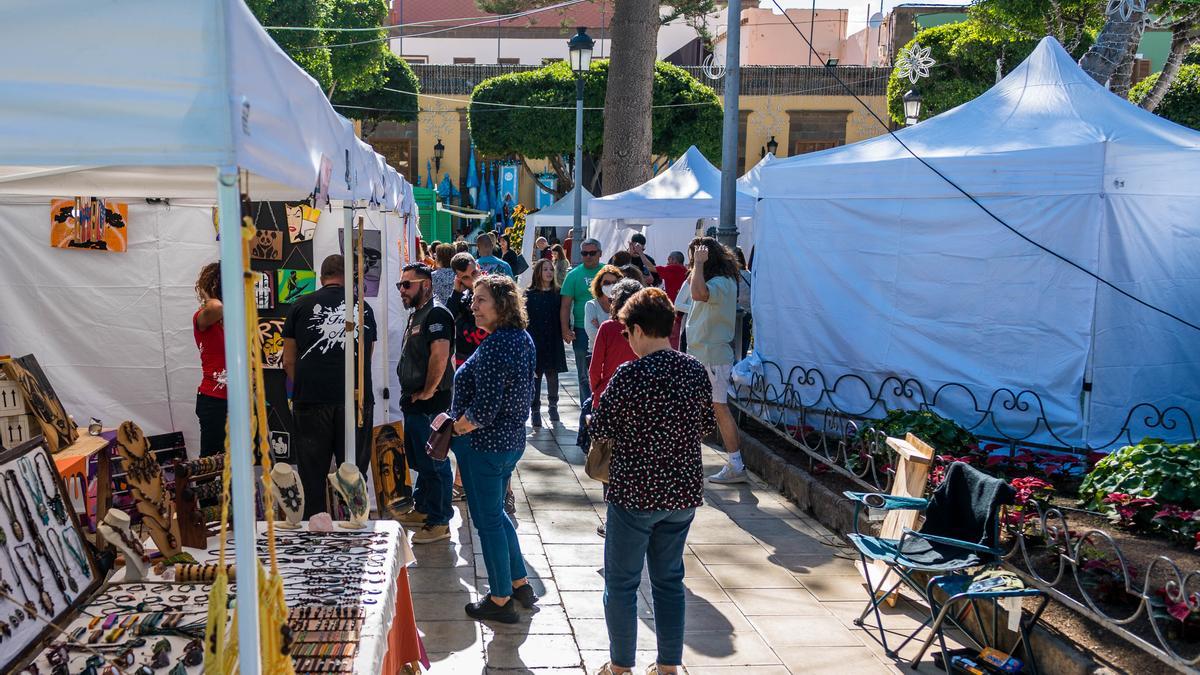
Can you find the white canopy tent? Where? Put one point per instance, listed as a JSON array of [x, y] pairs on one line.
[[561, 215], [670, 204], [177, 97], [749, 183], [890, 272]]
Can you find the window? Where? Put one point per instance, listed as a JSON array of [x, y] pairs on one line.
[[1141, 69], [416, 59], [398, 152], [464, 59], [507, 61], [813, 130], [741, 143]]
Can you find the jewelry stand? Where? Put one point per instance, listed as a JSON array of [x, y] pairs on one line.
[[198, 498], [351, 487], [116, 530], [145, 478], [289, 495]]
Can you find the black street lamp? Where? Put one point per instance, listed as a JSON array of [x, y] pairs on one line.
[[912, 106], [773, 145], [439, 151], [580, 48]]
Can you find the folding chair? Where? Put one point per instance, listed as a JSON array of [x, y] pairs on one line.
[[961, 531]]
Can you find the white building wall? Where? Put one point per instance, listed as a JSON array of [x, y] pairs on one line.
[[484, 50]]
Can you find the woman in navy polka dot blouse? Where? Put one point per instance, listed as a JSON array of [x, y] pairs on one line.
[[656, 409], [492, 393]]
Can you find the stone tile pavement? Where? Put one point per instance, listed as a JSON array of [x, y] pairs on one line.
[[770, 590]]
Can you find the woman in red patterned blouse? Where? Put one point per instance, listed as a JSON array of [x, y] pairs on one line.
[[208, 328]]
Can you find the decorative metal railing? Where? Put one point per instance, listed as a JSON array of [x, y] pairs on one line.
[[1085, 571], [461, 79], [1156, 608]]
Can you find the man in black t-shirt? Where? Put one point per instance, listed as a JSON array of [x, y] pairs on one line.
[[314, 358], [467, 335], [426, 383]]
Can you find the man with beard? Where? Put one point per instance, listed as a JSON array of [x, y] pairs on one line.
[[426, 381]]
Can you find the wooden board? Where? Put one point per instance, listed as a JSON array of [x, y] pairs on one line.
[[41, 400], [913, 459]]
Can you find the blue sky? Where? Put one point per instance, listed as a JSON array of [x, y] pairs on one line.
[[858, 9]]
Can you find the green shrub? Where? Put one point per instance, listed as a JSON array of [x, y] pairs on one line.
[[946, 436], [1181, 104], [1168, 474]]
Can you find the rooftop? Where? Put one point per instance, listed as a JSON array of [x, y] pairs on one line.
[[591, 14]]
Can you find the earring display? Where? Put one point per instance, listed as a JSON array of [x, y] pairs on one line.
[[45, 567]]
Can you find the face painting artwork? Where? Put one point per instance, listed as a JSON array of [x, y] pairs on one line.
[[295, 284], [372, 258], [302, 222], [55, 425], [271, 331], [89, 223], [264, 289], [390, 467]]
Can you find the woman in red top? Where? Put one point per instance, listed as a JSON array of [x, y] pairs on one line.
[[612, 348], [209, 330]]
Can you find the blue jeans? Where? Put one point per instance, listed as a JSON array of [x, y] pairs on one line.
[[484, 477], [433, 490], [581, 347], [658, 537]]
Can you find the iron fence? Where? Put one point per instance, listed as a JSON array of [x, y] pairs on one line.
[[1085, 571]]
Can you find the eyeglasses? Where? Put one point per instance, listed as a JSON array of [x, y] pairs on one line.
[[590, 253], [625, 333], [405, 285]]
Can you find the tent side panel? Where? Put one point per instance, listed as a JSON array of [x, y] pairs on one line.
[[935, 291]]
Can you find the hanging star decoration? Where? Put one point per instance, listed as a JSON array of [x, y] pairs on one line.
[[914, 62], [1125, 8]]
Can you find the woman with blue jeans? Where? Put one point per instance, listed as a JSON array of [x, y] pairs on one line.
[[655, 410], [493, 390]]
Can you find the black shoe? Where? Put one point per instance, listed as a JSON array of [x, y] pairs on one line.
[[601, 531], [486, 610], [525, 596], [553, 413], [535, 420]]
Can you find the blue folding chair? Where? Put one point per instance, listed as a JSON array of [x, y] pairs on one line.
[[961, 531]]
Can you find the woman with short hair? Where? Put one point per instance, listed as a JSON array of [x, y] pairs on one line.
[[492, 393], [655, 411]]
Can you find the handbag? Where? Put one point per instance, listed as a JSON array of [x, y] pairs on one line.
[[599, 456], [438, 445]]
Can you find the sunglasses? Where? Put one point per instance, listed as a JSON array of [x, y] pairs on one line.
[[405, 285], [589, 254]]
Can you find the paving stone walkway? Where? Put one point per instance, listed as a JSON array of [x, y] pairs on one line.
[[770, 590]]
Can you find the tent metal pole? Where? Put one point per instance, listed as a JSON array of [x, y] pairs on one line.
[[237, 360], [348, 338], [385, 229], [727, 227]]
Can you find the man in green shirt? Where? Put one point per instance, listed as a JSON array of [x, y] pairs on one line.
[[710, 325], [576, 291]]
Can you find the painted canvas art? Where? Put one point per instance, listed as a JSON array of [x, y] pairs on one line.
[[89, 223], [372, 258], [42, 401], [271, 331], [267, 245], [392, 486], [302, 222], [295, 284], [281, 444], [264, 289]]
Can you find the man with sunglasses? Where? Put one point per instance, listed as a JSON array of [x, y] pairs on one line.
[[576, 291], [426, 382]]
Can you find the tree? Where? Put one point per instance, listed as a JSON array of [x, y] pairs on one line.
[[1071, 22], [694, 115], [1181, 102], [965, 54], [306, 47], [625, 161], [1185, 36], [388, 101]]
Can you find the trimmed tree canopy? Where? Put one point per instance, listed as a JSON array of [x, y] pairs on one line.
[[694, 118], [381, 104], [1181, 105], [965, 57]]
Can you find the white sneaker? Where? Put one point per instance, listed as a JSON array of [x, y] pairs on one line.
[[728, 475]]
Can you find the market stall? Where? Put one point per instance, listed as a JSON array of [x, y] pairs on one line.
[[161, 112], [670, 209]]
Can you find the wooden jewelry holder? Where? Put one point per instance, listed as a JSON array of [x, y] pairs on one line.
[[145, 478], [195, 481]]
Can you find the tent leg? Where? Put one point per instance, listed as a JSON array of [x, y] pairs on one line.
[[229, 210], [351, 420]]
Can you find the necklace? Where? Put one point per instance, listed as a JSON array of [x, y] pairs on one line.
[[290, 495], [56, 500], [128, 540], [44, 598], [76, 550], [39, 546], [35, 490], [7, 500], [355, 498], [61, 557]]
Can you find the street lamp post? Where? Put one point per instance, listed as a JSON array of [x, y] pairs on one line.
[[773, 146], [580, 48], [439, 151], [727, 223], [912, 106]]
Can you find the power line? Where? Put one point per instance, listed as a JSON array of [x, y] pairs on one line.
[[985, 209]]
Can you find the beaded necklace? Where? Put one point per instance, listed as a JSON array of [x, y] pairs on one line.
[[39, 546], [39, 582], [355, 499], [56, 501], [34, 488], [6, 499], [290, 494], [61, 557], [76, 550]]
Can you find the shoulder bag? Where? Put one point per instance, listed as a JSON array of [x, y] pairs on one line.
[[438, 445], [599, 456]]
